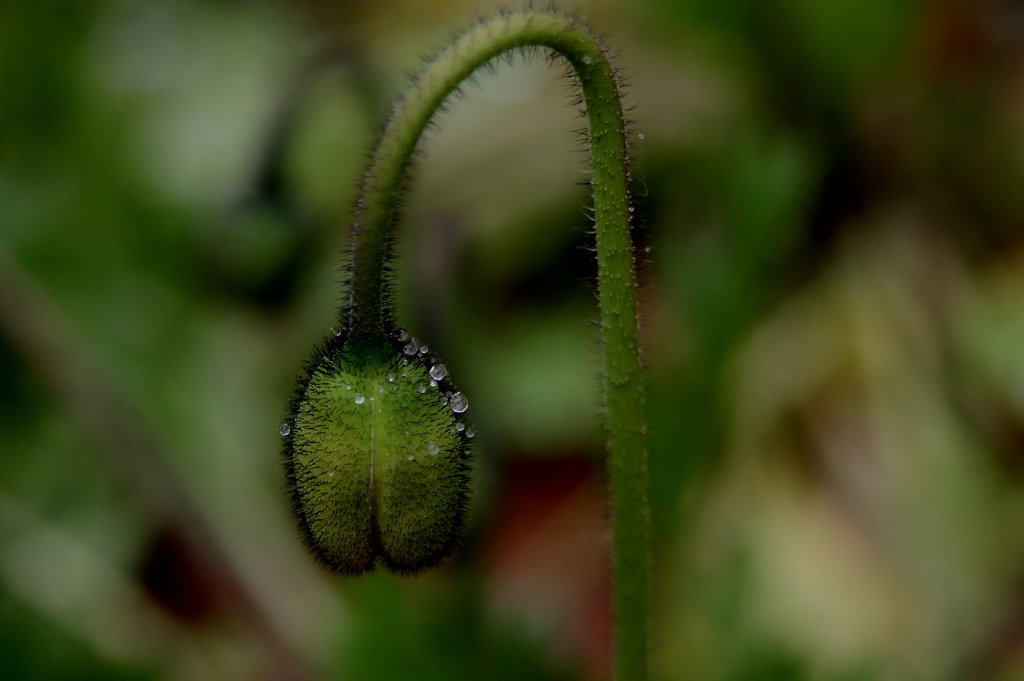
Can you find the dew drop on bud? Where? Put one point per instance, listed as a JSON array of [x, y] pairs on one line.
[[459, 403]]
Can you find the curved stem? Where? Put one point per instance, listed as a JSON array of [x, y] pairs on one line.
[[367, 314]]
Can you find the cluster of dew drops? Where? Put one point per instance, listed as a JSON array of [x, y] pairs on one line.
[[456, 401]]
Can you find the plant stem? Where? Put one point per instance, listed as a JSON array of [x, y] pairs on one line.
[[368, 309]]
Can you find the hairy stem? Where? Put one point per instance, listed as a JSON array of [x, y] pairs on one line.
[[367, 314]]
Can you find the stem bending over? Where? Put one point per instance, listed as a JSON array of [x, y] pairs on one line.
[[366, 322]]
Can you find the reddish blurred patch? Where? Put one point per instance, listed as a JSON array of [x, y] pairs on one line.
[[547, 558]]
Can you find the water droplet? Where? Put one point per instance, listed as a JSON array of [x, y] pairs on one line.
[[438, 372], [402, 335], [410, 348], [587, 59], [380, 388], [470, 432], [432, 448], [433, 383], [337, 331], [632, 208], [410, 457], [424, 349], [348, 386], [330, 474], [459, 427], [459, 403], [286, 430], [641, 136], [647, 249], [405, 361], [359, 398], [391, 378], [421, 388]]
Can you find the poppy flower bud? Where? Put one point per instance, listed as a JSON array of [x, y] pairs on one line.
[[376, 450]]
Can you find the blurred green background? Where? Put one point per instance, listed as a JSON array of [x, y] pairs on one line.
[[831, 201]]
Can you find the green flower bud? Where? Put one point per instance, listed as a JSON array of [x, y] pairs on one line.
[[376, 450]]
